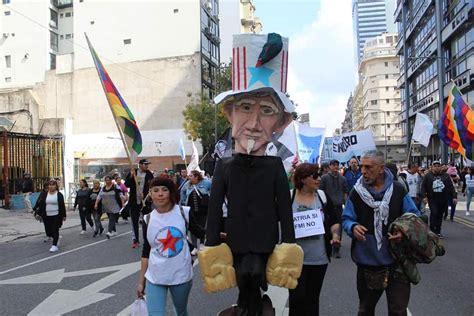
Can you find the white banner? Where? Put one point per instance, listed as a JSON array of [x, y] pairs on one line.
[[344, 147], [306, 140], [194, 163], [423, 129]]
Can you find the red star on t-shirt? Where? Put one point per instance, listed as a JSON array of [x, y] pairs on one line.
[[169, 242]]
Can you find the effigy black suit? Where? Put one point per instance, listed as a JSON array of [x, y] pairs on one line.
[[258, 197]]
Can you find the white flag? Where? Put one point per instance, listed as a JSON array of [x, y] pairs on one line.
[[182, 152], [194, 163], [423, 129]]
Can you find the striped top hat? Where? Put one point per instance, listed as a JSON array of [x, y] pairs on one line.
[[259, 63]]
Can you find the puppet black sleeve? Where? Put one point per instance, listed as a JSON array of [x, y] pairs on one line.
[[214, 212], [285, 212]]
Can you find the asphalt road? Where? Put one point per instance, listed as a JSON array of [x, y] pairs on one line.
[[100, 275]]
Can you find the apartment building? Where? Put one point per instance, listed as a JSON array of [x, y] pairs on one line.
[[436, 46]]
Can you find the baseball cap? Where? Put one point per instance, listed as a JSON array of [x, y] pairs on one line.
[[436, 162], [333, 162], [144, 162]]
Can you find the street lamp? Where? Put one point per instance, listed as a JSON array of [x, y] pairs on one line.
[[384, 123]]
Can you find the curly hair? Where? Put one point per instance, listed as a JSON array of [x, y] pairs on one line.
[[303, 171]]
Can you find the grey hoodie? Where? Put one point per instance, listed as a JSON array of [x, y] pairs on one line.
[[334, 185]]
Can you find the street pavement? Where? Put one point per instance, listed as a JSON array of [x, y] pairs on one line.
[[96, 276]]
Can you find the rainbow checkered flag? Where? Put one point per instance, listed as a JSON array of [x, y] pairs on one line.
[[456, 125], [126, 123]]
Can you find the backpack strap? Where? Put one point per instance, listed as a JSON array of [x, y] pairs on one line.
[[186, 223], [322, 197], [293, 194]]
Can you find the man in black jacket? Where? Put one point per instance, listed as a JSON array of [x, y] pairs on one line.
[[141, 177], [438, 188], [26, 188]]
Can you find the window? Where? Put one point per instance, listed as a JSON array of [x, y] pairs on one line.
[[386, 76], [8, 79], [6, 1], [175, 10], [61, 37], [388, 126], [8, 61], [127, 41], [53, 41], [388, 113], [54, 18], [388, 137], [52, 61], [81, 0], [387, 101], [68, 36], [61, 15], [373, 102], [386, 64], [386, 88], [92, 22], [7, 13], [68, 14]]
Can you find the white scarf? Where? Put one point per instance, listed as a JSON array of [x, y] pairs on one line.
[[381, 208]]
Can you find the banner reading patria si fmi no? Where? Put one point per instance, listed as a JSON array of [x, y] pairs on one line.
[[344, 147]]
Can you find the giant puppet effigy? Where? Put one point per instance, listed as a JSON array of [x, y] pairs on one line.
[[259, 247]]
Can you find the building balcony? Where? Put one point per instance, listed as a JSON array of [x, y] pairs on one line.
[[462, 81], [421, 59], [464, 15], [399, 46], [61, 4], [420, 12], [397, 15], [421, 105]]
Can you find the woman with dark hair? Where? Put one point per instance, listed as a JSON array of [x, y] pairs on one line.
[[166, 262], [304, 299], [195, 194], [82, 200], [96, 213], [51, 208], [112, 201]]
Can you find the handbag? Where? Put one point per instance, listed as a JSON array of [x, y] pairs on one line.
[[376, 280], [139, 308]]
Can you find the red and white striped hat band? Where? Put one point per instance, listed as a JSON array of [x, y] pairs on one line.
[[246, 77]]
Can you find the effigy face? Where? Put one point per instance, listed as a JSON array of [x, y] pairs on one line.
[[254, 120]]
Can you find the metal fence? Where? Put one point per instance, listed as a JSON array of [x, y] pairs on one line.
[[38, 155]]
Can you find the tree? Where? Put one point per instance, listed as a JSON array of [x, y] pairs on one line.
[[202, 118]]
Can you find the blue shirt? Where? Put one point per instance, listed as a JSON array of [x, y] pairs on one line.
[[351, 178]]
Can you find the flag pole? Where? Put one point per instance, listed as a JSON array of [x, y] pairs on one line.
[[296, 141], [105, 91], [409, 151]]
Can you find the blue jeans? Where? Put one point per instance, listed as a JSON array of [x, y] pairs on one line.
[[156, 298]]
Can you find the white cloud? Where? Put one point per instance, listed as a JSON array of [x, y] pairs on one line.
[[322, 70]]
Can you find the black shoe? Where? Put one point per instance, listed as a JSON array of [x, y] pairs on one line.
[[95, 234], [440, 236], [101, 230]]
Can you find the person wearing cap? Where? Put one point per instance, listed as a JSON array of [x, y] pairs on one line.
[[438, 189], [335, 187], [255, 185], [138, 181]]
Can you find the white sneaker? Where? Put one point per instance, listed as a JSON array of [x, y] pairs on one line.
[[467, 213], [113, 234], [82, 232], [194, 252], [108, 235], [53, 249]]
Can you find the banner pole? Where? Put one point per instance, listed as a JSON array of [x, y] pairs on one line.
[[409, 151]]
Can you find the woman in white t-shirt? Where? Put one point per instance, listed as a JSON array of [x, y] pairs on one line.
[[51, 208], [469, 188], [166, 262]]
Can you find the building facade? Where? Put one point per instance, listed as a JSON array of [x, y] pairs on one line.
[[371, 18], [346, 125], [436, 46], [379, 70], [236, 16], [47, 73]]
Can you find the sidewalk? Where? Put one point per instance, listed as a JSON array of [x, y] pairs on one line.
[[20, 224]]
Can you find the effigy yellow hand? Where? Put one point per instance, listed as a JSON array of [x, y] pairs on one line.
[[216, 265], [284, 265]]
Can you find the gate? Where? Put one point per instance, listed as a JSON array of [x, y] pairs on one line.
[[37, 155]]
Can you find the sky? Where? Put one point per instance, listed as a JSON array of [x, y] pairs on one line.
[[322, 70]]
